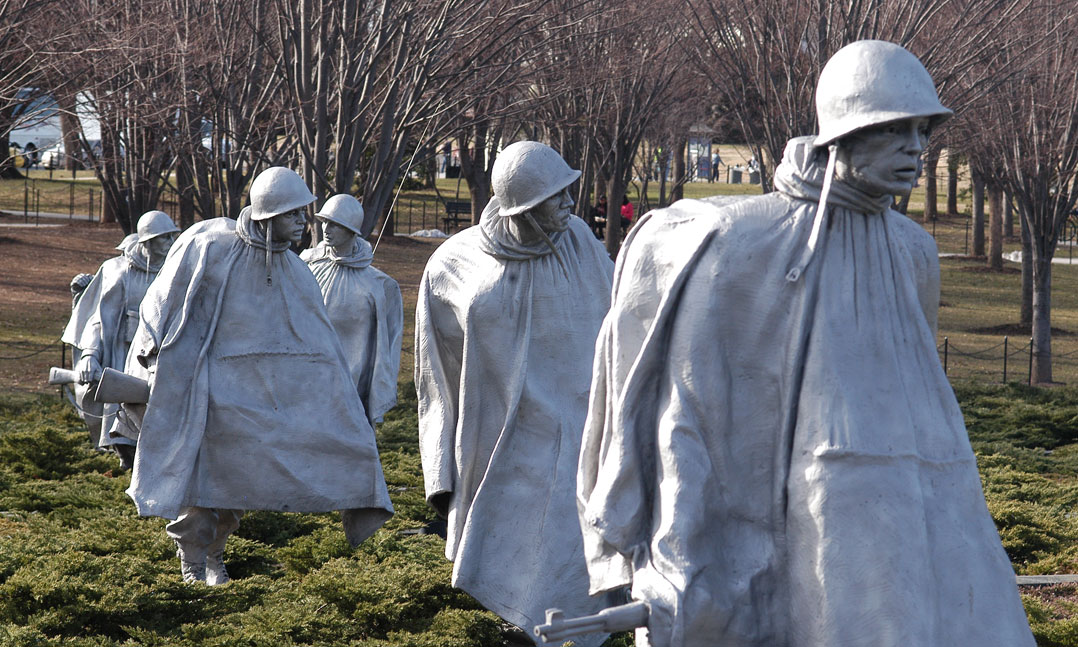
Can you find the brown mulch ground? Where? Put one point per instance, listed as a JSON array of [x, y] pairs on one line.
[[37, 264]]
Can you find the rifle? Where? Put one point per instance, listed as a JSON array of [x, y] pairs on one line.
[[59, 375], [116, 386], [620, 618]]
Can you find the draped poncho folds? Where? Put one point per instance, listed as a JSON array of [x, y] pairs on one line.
[[104, 320], [776, 463], [365, 307], [505, 333], [252, 405]]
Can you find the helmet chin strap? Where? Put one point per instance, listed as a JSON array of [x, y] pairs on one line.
[[546, 239], [269, 250], [798, 269]]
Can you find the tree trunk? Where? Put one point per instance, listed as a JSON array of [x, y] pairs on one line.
[[995, 227], [185, 192], [7, 163], [952, 183], [69, 131], [473, 167], [1042, 321], [978, 215], [903, 204], [678, 191], [430, 169], [931, 162], [614, 193], [1025, 314]]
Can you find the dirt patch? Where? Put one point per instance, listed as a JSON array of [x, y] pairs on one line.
[[1061, 600], [984, 269], [1016, 330], [37, 264]]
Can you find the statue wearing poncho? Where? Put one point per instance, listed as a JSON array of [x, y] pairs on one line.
[[363, 303], [505, 332], [775, 458], [252, 405], [104, 319]]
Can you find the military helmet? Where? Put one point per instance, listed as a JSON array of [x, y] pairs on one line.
[[872, 82], [344, 210], [526, 173], [153, 224], [278, 190]]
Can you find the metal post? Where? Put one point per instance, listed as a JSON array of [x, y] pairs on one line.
[[91, 210], [1030, 380], [25, 201], [1005, 359], [945, 356], [71, 200], [424, 216]]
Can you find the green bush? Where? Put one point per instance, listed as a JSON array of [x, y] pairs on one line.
[[79, 568]]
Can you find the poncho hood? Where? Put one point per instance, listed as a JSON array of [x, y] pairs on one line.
[[136, 255], [361, 255], [251, 233], [801, 176], [498, 241]]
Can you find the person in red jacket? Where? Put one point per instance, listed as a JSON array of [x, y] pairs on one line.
[[626, 213]]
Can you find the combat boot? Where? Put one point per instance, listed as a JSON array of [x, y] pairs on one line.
[[215, 568]]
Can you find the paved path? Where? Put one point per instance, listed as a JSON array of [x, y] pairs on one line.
[[51, 215]]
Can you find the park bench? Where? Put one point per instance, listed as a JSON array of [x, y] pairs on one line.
[[456, 212]]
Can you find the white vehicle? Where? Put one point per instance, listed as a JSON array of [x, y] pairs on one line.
[[53, 156]]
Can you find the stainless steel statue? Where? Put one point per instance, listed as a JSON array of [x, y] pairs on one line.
[[104, 318], [251, 403], [363, 303], [505, 331], [773, 455]]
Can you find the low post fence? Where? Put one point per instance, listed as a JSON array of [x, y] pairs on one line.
[[1007, 361], [55, 199]]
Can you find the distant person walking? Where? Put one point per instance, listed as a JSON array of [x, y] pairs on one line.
[[598, 217], [626, 213], [715, 162]]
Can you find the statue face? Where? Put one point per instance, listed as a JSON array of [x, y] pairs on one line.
[[884, 159], [288, 226], [158, 246], [337, 235], [552, 214]]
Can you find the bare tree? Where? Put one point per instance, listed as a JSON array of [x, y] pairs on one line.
[[621, 62], [368, 81], [23, 27], [1035, 120], [231, 123], [764, 56]]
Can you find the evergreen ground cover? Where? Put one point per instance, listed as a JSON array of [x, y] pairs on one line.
[[79, 568]]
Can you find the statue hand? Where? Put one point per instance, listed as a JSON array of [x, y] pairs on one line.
[[89, 369]]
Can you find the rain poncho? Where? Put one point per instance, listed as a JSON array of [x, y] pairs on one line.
[[251, 406], [783, 463], [504, 337], [365, 307], [103, 321]]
